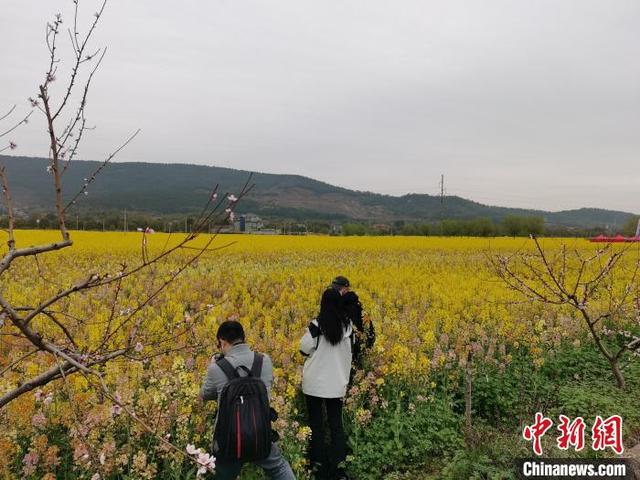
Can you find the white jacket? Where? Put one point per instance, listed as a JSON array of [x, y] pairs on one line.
[[326, 371]]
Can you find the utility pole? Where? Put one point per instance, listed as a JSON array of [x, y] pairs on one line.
[[442, 188]]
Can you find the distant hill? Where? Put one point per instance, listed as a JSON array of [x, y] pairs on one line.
[[182, 189]]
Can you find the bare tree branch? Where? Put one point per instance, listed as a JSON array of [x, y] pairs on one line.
[[79, 53], [6, 115], [93, 176], [16, 362], [21, 122], [54, 373]]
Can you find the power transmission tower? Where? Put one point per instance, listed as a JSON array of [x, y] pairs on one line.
[[125, 220], [442, 188]]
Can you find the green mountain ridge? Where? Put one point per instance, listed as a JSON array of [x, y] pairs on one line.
[[178, 188]]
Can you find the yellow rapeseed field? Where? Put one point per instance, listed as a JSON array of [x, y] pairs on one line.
[[428, 297]]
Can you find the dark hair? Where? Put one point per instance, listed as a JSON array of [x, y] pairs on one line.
[[350, 298], [340, 281], [231, 331], [331, 318]]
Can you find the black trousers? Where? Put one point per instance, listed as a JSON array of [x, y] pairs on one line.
[[337, 451]]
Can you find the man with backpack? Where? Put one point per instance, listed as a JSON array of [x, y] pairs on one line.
[[240, 380]]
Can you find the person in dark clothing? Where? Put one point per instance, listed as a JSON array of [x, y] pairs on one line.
[[364, 332]]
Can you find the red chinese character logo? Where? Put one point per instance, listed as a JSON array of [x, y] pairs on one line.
[[536, 431], [608, 433], [572, 433]]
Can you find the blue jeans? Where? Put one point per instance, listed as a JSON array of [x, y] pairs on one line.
[[275, 466]]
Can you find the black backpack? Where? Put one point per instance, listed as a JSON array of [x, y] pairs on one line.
[[243, 429]]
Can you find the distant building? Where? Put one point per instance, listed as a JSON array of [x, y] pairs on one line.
[[248, 223]]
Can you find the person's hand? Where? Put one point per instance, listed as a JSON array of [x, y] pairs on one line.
[[217, 356]]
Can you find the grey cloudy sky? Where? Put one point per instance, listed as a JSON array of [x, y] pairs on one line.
[[518, 103]]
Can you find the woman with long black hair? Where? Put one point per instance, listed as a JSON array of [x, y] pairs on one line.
[[327, 346]]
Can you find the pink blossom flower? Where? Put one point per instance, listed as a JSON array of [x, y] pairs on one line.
[[214, 195], [39, 420], [207, 462], [30, 462], [192, 450], [38, 395], [13, 145], [48, 399], [232, 198], [116, 409], [138, 348], [96, 476]]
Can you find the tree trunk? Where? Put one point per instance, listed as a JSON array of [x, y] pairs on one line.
[[617, 373]]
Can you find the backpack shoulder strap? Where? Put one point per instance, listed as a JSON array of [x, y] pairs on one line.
[[227, 368], [314, 329], [256, 368]]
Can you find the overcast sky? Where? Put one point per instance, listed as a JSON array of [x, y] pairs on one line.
[[518, 103]]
